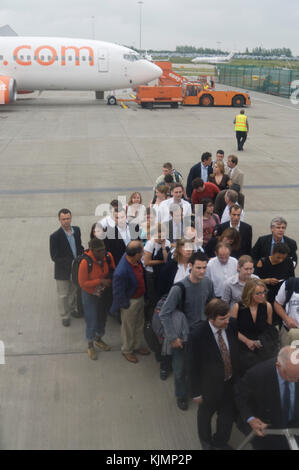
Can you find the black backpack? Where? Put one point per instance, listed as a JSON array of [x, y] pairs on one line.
[[77, 261]]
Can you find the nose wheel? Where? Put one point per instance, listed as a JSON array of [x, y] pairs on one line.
[[111, 100]]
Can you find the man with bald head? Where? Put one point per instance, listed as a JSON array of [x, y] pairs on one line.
[[128, 298], [268, 396]]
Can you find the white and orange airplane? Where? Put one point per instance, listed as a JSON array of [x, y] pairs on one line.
[[43, 63]]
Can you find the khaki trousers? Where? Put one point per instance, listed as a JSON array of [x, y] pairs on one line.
[[287, 337], [67, 298], [132, 325]]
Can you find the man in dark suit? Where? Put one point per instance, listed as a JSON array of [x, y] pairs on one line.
[[245, 230], [268, 396], [65, 246], [119, 236], [202, 170], [214, 369], [264, 245]]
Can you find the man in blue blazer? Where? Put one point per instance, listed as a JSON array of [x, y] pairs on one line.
[[202, 170], [65, 246], [129, 289]]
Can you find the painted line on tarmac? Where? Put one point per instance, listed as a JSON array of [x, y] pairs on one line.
[[277, 104], [16, 192]]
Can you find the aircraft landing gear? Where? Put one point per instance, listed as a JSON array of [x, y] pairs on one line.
[[111, 100]]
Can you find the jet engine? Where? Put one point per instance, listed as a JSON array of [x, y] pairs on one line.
[[8, 89]]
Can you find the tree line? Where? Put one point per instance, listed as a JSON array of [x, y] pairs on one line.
[[256, 51]]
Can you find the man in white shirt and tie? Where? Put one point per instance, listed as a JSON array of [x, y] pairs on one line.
[[213, 374]]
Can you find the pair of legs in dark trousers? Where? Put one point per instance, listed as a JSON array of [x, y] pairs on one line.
[[241, 138], [224, 408], [181, 371]]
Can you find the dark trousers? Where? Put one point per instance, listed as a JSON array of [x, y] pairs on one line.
[[241, 138], [224, 408], [181, 371]]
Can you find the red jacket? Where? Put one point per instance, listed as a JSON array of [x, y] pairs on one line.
[[210, 190], [89, 281]]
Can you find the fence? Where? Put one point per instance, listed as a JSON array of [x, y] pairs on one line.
[[267, 80]]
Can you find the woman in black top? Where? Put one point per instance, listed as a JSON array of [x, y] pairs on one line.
[[257, 337], [275, 269], [218, 176]]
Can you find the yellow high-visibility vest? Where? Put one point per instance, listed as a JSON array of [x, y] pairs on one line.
[[241, 123]]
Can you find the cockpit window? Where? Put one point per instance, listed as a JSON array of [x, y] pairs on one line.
[[131, 57]]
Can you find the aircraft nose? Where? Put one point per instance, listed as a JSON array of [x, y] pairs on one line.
[[144, 72], [152, 70]]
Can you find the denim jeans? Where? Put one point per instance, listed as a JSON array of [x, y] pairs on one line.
[[95, 315]]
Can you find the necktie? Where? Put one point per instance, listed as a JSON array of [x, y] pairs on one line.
[[225, 356], [286, 403]]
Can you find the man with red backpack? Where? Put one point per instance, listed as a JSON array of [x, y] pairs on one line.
[[95, 279]]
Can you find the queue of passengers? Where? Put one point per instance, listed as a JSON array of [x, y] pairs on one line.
[[186, 266]]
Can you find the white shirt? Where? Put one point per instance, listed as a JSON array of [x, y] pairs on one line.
[[152, 247], [107, 221], [292, 307], [164, 207], [125, 234], [204, 173], [140, 210], [181, 273], [226, 216], [237, 228], [219, 273]]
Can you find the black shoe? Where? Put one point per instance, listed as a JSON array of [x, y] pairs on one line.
[[76, 314], [66, 322], [182, 403], [206, 445], [221, 446], [163, 374]]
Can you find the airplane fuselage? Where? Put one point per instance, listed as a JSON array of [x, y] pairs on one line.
[[42, 63]]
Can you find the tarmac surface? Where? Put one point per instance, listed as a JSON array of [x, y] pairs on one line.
[[65, 149]]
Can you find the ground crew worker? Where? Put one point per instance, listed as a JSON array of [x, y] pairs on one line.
[[241, 128]]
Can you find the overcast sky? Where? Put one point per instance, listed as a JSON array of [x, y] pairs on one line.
[[230, 24]]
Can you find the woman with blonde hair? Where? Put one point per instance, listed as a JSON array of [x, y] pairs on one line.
[[257, 337], [135, 209], [219, 177]]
